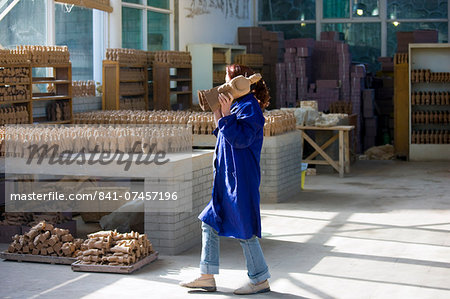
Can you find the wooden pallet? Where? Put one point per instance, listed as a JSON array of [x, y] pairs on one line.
[[115, 269], [37, 258]]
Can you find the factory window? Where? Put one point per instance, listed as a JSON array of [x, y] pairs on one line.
[[159, 3], [363, 38], [16, 30], [73, 28], [287, 10], [132, 28], [336, 9], [408, 9], [146, 24]]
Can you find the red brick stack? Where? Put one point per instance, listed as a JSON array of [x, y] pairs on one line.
[[370, 119], [404, 38], [357, 85]]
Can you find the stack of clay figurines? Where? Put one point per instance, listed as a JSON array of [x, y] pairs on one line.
[[14, 115], [14, 93], [82, 89], [45, 239], [14, 56], [279, 122], [173, 57], [428, 76], [127, 56], [430, 98], [430, 137], [430, 117], [14, 74], [114, 249], [88, 139], [45, 55]]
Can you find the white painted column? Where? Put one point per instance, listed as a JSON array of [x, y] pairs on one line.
[[98, 42], [383, 17], [115, 25], [319, 15], [50, 22]]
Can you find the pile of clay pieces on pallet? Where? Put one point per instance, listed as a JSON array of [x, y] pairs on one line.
[[45, 239], [113, 248]]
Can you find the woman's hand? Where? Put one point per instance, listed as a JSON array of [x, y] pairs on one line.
[[225, 103]]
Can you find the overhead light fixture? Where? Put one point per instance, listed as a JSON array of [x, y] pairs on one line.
[[359, 8], [395, 23], [303, 24]]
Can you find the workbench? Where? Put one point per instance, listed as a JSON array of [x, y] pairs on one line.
[[342, 136]]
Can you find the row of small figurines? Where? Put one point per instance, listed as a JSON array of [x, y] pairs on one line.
[[83, 89], [430, 117], [400, 58], [133, 104], [58, 111], [173, 57], [430, 137], [279, 122], [14, 115], [14, 75], [132, 74], [131, 88], [430, 98], [14, 93], [134, 117], [36, 54], [428, 76], [96, 139], [127, 56]]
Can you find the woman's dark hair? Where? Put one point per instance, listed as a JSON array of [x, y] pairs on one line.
[[260, 88]]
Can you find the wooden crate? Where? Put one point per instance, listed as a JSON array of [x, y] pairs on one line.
[[77, 266], [20, 257]]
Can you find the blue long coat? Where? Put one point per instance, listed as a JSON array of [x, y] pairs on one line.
[[234, 208]]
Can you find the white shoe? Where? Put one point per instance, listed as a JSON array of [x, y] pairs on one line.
[[251, 288], [208, 285]]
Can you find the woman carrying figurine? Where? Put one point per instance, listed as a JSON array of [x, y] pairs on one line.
[[234, 208]]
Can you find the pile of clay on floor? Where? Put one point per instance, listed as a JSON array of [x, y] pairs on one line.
[[113, 248], [45, 239]]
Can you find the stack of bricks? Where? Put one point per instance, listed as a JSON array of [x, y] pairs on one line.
[[281, 158], [326, 92], [370, 119], [270, 45], [280, 73], [404, 38], [384, 103], [175, 231], [357, 85], [345, 60], [291, 81], [387, 64]]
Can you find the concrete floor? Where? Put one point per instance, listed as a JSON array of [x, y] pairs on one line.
[[381, 232]]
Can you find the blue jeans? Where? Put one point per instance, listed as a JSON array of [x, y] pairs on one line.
[[209, 263]]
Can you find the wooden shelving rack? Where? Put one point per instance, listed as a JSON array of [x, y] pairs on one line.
[[114, 83], [26, 102], [61, 79], [171, 83], [436, 58]]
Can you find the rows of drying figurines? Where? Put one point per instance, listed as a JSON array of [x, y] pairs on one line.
[[132, 74], [430, 137], [430, 98], [429, 76], [430, 117], [36, 54], [14, 115], [134, 103], [16, 140], [14, 93], [14, 74], [82, 89], [131, 56], [277, 121]]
